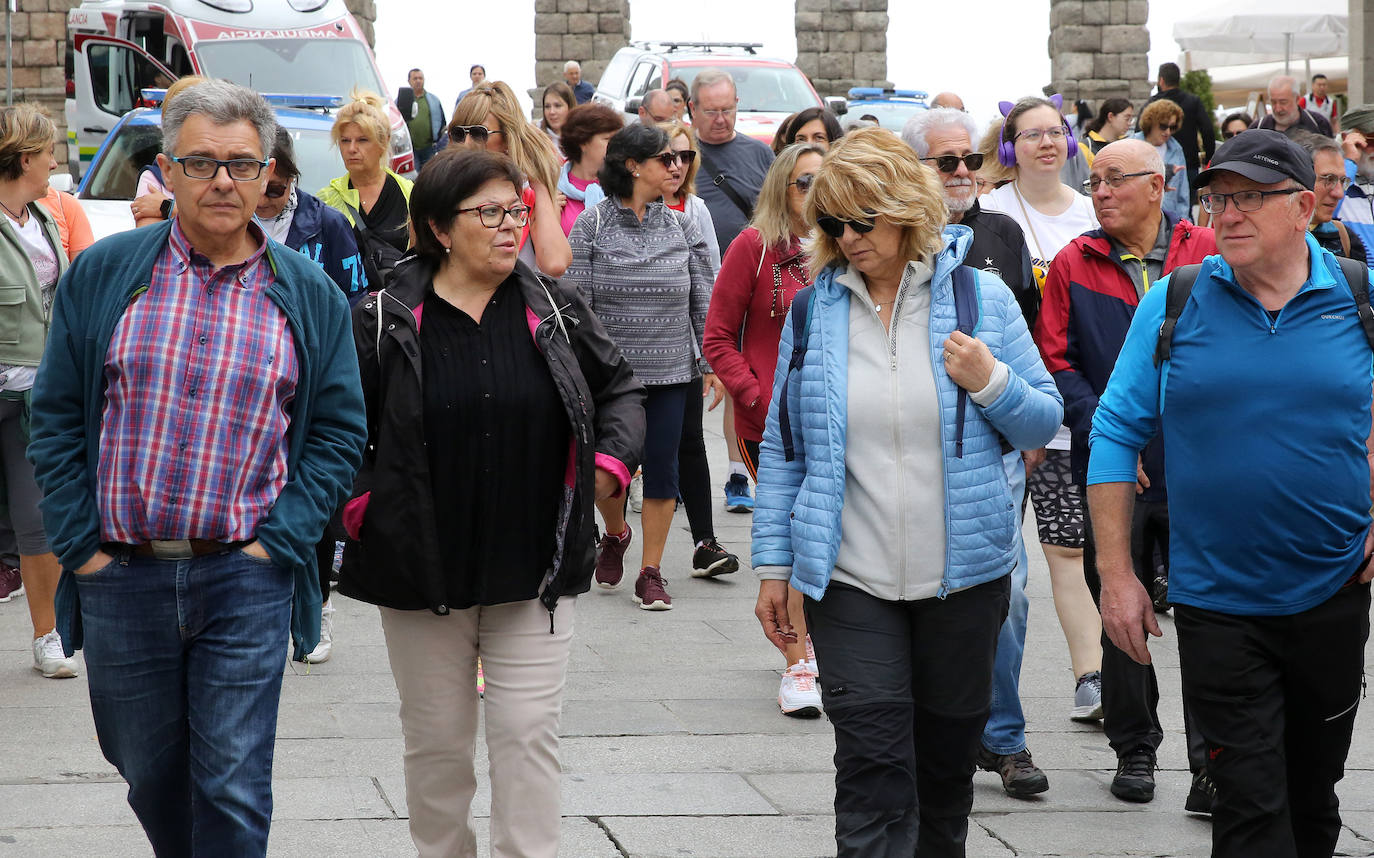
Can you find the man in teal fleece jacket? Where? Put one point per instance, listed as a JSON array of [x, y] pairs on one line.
[[196, 418]]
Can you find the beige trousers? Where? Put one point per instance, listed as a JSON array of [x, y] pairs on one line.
[[434, 662]]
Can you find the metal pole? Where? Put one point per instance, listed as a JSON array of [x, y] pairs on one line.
[[9, 53], [1287, 51]]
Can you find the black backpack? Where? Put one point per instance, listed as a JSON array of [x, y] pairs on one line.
[[379, 256], [1182, 278]]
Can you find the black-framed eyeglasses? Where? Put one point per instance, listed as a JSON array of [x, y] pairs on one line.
[[1245, 201], [276, 190], [1114, 181], [804, 182], [478, 133], [493, 215], [834, 226], [1334, 181], [950, 163], [239, 169]]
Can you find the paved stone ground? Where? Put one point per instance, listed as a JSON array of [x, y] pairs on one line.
[[673, 746]]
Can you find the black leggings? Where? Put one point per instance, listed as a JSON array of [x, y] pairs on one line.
[[693, 471]]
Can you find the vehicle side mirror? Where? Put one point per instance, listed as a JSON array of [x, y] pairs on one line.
[[837, 105], [632, 105], [61, 181]]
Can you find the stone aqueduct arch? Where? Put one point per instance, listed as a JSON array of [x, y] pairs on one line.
[[1097, 47]]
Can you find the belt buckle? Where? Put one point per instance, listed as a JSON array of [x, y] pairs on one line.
[[172, 549]]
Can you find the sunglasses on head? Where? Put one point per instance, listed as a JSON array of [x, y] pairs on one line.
[[950, 163], [459, 133], [276, 191], [834, 226]]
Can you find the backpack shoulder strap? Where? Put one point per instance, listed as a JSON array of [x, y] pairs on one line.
[[1357, 277], [966, 307], [1181, 281], [1344, 235], [801, 324]]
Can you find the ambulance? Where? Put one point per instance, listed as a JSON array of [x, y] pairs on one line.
[[117, 48]]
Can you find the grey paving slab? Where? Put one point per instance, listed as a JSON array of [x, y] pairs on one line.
[[724, 837]]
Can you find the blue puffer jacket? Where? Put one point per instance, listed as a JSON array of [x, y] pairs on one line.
[[797, 513], [324, 235]]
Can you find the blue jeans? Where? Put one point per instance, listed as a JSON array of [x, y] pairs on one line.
[[1005, 732], [184, 661]]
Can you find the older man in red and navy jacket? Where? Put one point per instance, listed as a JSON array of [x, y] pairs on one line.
[[1091, 294]]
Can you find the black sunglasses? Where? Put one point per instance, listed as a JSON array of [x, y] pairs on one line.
[[683, 157], [950, 163], [276, 191], [834, 226], [459, 133], [804, 182]]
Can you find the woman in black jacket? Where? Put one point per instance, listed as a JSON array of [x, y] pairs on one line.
[[493, 427]]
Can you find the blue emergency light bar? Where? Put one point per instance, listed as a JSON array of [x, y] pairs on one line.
[[860, 93], [152, 96]]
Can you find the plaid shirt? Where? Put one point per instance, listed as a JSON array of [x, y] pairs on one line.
[[199, 376]]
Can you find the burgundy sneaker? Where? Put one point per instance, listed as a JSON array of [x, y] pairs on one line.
[[11, 584], [610, 559], [650, 594]]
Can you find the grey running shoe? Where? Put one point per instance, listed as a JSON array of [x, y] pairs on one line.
[[1087, 698]]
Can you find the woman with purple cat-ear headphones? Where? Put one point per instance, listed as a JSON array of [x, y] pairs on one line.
[[1035, 143]]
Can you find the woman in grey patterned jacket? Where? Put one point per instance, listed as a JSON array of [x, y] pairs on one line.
[[646, 272]]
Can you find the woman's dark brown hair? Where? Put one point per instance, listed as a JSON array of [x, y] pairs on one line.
[[449, 178], [585, 122]]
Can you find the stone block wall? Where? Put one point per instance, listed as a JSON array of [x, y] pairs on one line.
[[589, 31], [842, 43], [39, 30], [1098, 50], [366, 13]]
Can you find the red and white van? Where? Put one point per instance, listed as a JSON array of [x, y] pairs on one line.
[[116, 48]]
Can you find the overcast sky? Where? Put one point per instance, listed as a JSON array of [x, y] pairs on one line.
[[985, 51]]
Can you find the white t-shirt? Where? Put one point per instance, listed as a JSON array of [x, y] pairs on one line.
[[1046, 235], [44, 260]]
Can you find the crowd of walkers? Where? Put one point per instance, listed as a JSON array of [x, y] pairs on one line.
[[459, 382]]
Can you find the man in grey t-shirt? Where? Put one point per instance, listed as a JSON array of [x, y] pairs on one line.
[[742, 160]]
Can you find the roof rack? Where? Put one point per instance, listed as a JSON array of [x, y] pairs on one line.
[[673, 46]]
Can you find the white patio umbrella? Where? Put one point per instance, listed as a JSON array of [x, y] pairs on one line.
[[1260, 31]]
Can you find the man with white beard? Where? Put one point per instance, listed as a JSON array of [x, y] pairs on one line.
[[943, 138]]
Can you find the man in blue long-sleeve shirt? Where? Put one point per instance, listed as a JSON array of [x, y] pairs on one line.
[[1264, 405]]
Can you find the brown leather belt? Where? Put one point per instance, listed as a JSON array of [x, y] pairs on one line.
[[177, 549]]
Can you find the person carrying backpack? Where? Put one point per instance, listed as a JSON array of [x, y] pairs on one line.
[[882, 494], [1255, 369]]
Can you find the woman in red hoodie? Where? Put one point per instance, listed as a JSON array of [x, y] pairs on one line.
[[762, 271]]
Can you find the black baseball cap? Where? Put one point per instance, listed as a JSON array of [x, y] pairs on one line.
[[1264, 156]]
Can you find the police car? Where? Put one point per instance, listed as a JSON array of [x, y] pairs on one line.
[[891, 107]]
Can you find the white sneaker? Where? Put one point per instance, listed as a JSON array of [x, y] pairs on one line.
[[798, 695], [325, 648], [48, 658], [637, 493]]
